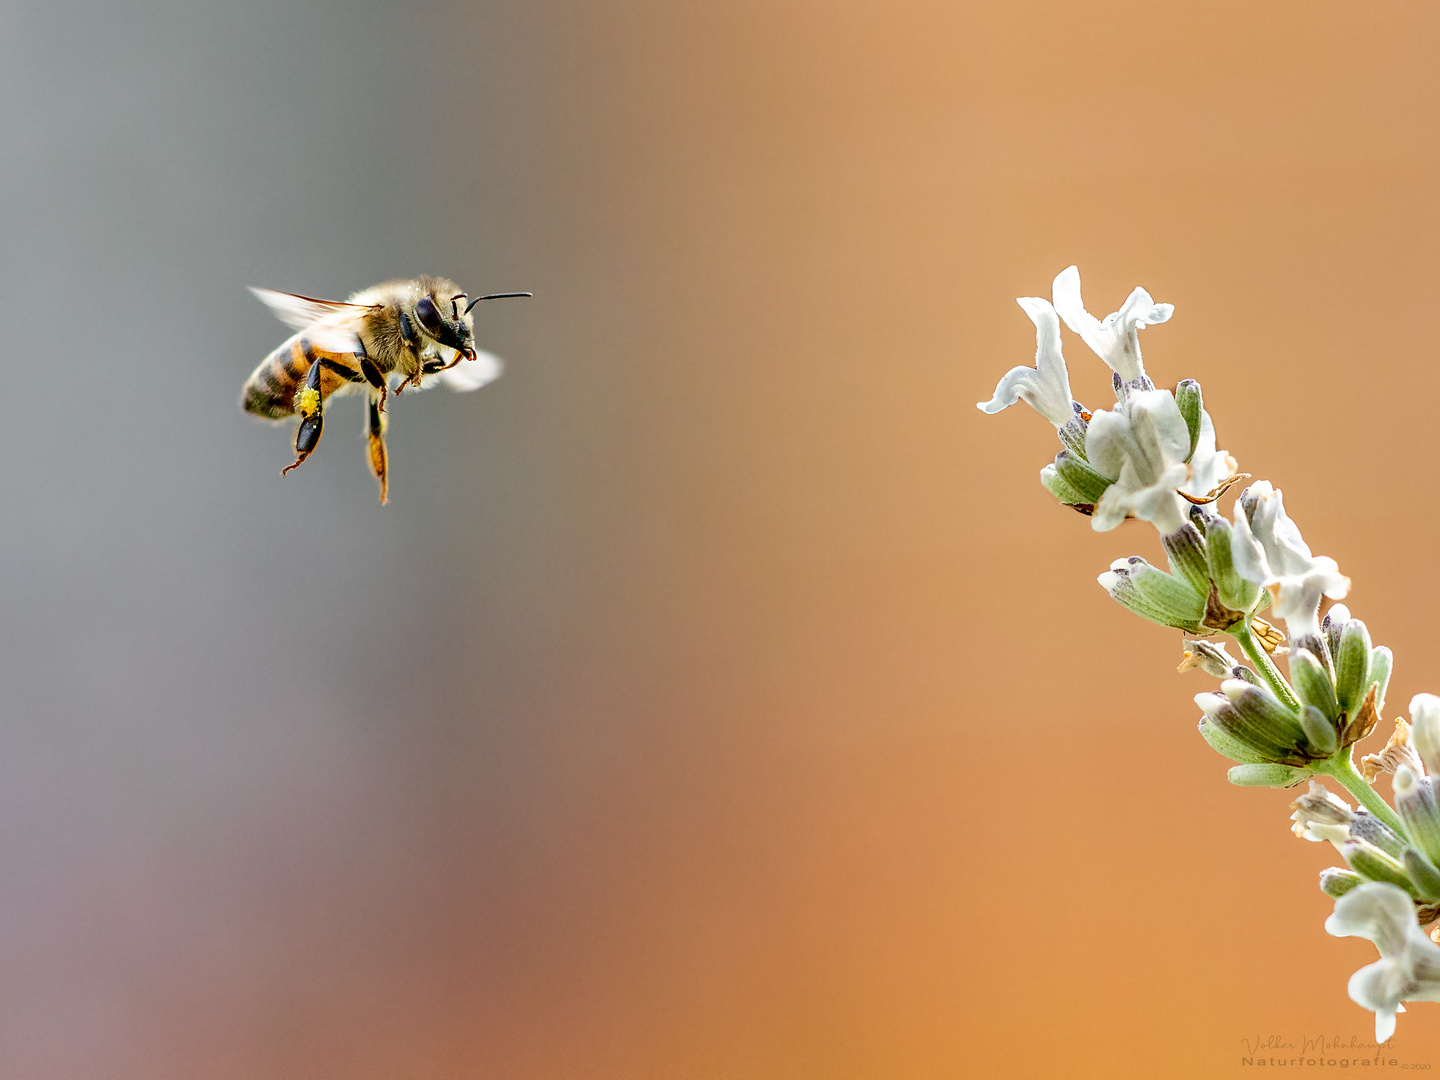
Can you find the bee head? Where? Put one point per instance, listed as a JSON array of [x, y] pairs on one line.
[[443, 313], [440, 315]]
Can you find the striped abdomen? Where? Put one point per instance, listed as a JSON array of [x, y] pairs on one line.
[[270, 390]]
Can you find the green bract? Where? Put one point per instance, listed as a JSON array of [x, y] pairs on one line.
[[1154, 594]]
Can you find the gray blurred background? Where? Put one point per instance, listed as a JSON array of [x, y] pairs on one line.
[[291, 784], [268, 747]]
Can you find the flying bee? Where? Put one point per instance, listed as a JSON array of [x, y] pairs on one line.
[[389, 336]]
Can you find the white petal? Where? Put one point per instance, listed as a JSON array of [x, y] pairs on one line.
[[1425, 729], [1319, 830], [1210, 702], [1117, 339], [1109, 511], [1159, 505], [1252, 496], [1384, 1025], [1046, 386], [1247, 553], [1129, 496], [1066, 292], [1268, 549], [1377, 911], [1208, 465], [1285, 547], [1108, 442], [1159, 429], [1139, 308]]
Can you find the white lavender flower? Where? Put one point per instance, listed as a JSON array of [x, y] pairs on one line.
[[1398, 753], [1210, 658], [1267, 549], [1321, 815], [1046, 386], [1141, 445], [1116, 340], [1409, 964], [1144, 447], [1425, 730]]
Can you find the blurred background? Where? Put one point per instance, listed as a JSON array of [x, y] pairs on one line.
[[720, 694]]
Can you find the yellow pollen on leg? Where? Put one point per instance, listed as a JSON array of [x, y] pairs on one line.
[[308, 402]]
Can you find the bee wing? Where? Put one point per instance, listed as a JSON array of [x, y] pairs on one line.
[[331, 325], [471, 374]]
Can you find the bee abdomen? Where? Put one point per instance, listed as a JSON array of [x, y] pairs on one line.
[[270, 390]]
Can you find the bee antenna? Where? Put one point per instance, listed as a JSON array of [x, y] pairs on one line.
[[496, 296]]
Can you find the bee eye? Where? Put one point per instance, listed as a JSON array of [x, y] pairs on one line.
[[428, 314]]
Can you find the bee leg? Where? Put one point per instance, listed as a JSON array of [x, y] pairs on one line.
[[412, 341], [379, 462], [310, 404], [372, 374], [407, 331], [312, 418]]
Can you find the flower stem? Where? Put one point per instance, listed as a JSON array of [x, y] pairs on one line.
[[1264, 666], [1342, 768]]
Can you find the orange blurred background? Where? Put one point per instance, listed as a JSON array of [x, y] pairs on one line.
[[721, 694]]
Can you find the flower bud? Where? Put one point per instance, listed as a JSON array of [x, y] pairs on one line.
[[1188, 398], [1209, 658], [1422, 872], [1315, 645], [1185, 549], [1239, 737], [1153, 594], [1261, 719], [1214, 660], [1319, 731], [1415, 803], [1321, 815], [1072, 432], [1234, 591], [1080, 475], [1312, 684], [1381, 660], [1265, 775], [1373, 864], [1335, 882], [1060, 489], [1366, 826], [1227, 745], [1333, 625], [1352, 666], [1425, 730]]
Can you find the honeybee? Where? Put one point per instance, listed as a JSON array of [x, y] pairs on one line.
[[390, 336]]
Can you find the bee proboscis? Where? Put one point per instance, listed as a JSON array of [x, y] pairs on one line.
[[387, 337]]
